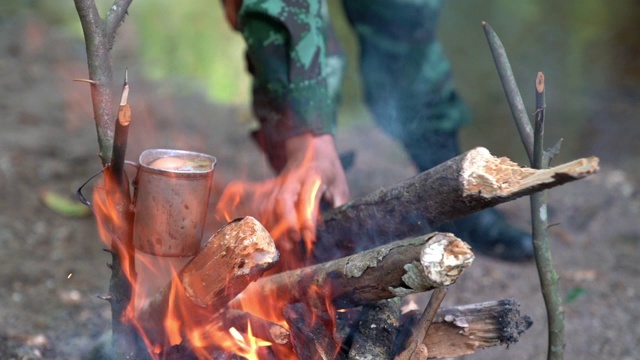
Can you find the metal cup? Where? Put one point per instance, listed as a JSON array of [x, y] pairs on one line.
[[171, 201]]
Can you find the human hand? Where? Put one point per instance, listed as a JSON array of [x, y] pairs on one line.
[[312, 173], [288, 205]]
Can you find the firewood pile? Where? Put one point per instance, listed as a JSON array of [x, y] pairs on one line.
[[345, 304]]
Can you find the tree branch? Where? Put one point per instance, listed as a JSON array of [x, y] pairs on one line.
[[115, 17], [546, 273], [99, 37], [511, 89]]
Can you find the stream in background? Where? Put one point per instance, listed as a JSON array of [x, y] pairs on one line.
[[589, 51]]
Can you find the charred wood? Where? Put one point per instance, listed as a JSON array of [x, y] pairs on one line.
[[311, 338], [377, 331], [462, 330]]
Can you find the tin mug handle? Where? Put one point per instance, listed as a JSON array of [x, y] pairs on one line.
[[134, 182]]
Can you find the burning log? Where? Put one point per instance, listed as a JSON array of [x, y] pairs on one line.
[[261, 328], [465, 184], [311, 339], [233, 257], [396, 269], [462, 330], [245, 323]]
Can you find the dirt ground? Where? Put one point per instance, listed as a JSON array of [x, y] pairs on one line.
[[52, 267]]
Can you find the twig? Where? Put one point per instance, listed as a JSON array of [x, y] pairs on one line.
[[511, 89], [85, 81], [548, 277], [115, 17], [415, 348]]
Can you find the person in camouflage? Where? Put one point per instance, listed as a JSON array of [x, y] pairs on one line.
[[297, 66]]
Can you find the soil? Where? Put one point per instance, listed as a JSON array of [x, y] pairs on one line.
[[52, 267]]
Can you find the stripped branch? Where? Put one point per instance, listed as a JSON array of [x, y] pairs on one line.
[[548, 277], [540, 159], [511, 89]]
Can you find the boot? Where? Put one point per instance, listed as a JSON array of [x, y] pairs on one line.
[[486, 231]]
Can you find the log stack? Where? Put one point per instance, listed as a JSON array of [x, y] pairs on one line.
[[360, 269]]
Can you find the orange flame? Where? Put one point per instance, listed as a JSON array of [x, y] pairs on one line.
[[186, 323], [249, 345], [172, 323]]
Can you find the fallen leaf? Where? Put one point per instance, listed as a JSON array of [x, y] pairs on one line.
[[64, 205]]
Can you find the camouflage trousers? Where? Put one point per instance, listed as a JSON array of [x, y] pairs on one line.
[[298, 66]]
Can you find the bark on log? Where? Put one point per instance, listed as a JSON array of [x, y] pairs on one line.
[[236, 255], [397, 269], [470, 182], [462, 330]]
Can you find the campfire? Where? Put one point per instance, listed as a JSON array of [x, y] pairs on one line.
[[340, 294], [335, 295]]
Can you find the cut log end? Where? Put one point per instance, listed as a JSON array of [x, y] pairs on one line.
[[444, 258], [486, 175], [242, 250]]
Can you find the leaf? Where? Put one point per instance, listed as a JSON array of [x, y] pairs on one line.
[[574, 294], [64, 205]]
